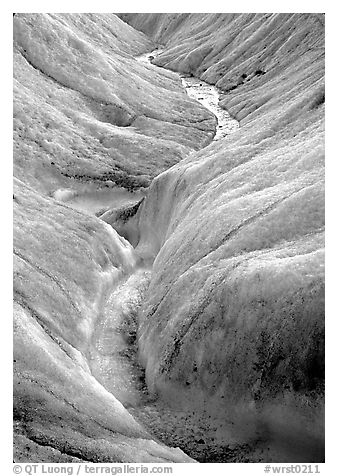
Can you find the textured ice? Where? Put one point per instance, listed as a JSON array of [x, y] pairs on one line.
[[232, 323], [235, 311]]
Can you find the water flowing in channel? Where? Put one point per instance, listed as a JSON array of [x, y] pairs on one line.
[[204, 93]]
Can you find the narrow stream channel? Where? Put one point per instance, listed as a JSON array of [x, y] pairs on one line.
[[113, 353], [113, 356], [204, 93]]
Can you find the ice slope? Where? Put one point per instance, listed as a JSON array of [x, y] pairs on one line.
[[85, 110], [253, 58], [234, 317]]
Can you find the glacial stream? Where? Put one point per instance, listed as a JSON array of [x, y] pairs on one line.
[[97, 201], [113, 354], [204, 93]]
